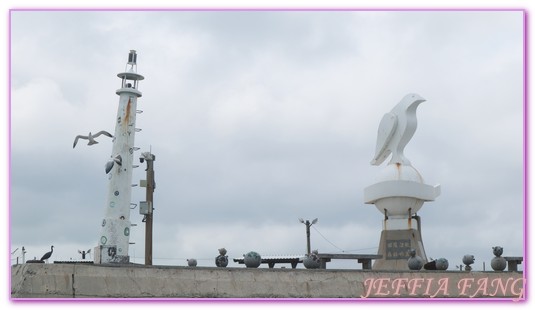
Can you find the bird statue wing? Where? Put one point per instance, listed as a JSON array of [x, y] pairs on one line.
[[102, 132], [386, 130], [88, 251], [109, 166], [79, 251]]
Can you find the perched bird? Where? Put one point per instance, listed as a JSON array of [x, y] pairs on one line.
[[395, 130], [91, 137], [415, 262], [84, 253], [468, 260], [114, 160], [48, 254], [192, 262]]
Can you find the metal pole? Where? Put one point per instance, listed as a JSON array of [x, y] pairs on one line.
[[308, 236], [148, 222]]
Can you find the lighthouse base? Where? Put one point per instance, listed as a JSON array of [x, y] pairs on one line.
[[395, 245], [105, 254]]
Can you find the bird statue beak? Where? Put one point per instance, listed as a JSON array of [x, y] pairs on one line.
[[418, 98], [118, 159]]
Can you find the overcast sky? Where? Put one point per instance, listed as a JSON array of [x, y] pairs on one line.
[[260, 118]]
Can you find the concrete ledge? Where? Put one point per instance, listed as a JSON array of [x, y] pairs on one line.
[[137, 281]]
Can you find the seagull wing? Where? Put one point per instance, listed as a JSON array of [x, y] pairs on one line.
[[386, 130], [102, 132], [76, 140]]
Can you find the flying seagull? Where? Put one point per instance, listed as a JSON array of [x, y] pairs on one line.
[[395, 130], [48, 254], [91, 137]]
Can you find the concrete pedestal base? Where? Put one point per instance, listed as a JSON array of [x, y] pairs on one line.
[[394, 247]]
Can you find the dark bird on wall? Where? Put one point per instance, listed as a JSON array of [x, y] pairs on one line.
[[48, 254], [91, 137], [84, 253]]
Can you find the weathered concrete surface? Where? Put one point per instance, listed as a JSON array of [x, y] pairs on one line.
[[136, 281]]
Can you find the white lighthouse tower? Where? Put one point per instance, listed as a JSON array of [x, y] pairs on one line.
[[115, 232]]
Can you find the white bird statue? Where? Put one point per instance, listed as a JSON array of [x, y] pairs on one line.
[[395, 130], [91, 137]]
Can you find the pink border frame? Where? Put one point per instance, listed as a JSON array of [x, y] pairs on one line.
[[285, 300]]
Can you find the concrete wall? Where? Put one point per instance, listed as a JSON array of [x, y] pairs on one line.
[[136, 281]]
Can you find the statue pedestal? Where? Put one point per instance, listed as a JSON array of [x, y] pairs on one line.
[[395, 246], [398, 194]]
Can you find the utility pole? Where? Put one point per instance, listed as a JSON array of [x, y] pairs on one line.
[[150, 185], [308, 224]]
